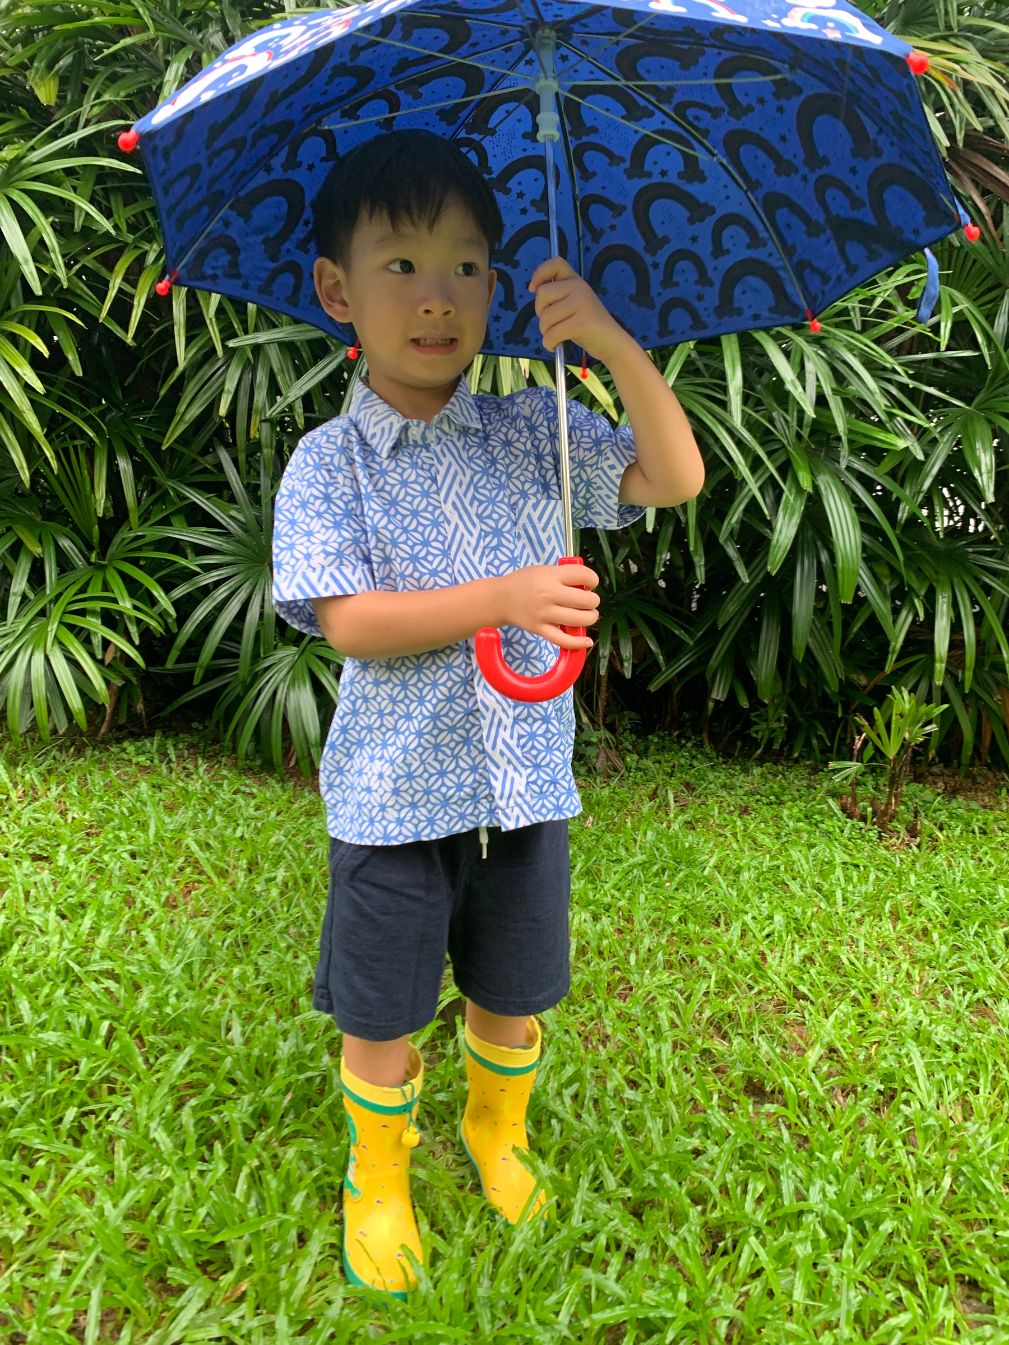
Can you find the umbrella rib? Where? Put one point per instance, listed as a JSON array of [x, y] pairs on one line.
[[677, 83], [622, 37], [473, 18], [695, 136], [628, 32], [579, 231], [654, 135], [437, 57], [426, 107], [516, 89]]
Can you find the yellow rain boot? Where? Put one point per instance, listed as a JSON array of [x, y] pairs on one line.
[[493, 1127], [378, 1216]]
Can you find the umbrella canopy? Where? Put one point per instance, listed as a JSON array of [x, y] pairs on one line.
[[705, 168], [719, 168]]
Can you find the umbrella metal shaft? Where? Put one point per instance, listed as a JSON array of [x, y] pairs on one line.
[[548, 133]]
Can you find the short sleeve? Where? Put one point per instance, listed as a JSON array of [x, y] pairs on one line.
[[320, 546], [600, 453]]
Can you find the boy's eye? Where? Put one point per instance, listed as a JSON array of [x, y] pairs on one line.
[[473, 270]]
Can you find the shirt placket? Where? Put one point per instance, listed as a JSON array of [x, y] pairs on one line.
[[475, 542]]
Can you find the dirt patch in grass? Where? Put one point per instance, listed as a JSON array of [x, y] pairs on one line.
[[989, 788]]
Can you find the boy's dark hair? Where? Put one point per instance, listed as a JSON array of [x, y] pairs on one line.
[[407, 175]]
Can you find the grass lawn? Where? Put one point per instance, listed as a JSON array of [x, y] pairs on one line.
[[774, 1107]]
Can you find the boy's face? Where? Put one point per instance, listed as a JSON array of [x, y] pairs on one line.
[[401, 286]]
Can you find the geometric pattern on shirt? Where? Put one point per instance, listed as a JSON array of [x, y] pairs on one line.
[[421, 746]]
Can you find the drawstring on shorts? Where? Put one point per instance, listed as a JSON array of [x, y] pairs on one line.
[[482, 835]]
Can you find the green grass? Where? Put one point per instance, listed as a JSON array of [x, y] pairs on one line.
[[773, 1108]]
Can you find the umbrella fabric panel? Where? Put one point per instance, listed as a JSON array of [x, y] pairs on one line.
[[720, 169]]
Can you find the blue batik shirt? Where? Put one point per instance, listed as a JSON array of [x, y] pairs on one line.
[[420, 746]]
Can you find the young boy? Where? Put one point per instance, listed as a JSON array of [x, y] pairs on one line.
[[401, 528]]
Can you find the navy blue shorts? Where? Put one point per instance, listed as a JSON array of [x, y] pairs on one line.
[[395, 911]]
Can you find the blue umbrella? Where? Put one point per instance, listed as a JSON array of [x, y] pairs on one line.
[[707, 168]]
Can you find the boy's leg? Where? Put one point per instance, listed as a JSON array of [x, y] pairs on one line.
[[379, 1062], [510, 950], [494, 1028], [381, 959]]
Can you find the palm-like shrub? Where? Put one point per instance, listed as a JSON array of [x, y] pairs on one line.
[[135, 429], [850, 535], [864, 541], [851, 531]]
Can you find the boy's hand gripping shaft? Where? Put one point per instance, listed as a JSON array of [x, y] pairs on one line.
[[543, 687]]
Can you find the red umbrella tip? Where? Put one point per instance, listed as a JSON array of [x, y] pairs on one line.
[[815, 325], [918, 62], [163, 286], [128, 141], [971, 232]]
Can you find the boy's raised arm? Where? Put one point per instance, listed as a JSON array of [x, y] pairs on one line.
[[669, 469], [540, 598]]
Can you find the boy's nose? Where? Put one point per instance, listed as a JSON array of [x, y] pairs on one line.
[[434, 295]]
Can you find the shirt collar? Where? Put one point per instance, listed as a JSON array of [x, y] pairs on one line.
[[382, 425]]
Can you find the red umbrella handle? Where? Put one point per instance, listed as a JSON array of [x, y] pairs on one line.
[[543, 687]]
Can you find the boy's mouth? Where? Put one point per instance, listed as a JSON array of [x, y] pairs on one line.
[[434, 345]]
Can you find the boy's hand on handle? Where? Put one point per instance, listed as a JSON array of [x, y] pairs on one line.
[[543, 598]]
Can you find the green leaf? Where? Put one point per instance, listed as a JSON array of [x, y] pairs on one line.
[[943, 599], [966, 608], [733, 375], [767, 647], [784, 369], [803, 593], [786, 524], [15, 240], [844, 526], [979, 450]]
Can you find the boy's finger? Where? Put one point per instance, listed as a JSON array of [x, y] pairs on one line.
[[579, 576], [579, 600], [571, 616], [560, 637], [555, 268], [558, 301]]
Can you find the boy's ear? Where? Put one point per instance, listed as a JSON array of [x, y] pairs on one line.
[[491, 286], [328, 279]]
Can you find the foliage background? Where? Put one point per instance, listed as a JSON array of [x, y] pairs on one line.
[[850, 537]]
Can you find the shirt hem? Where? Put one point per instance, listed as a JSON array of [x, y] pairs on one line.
[[560, 812]]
